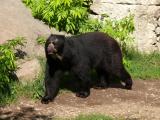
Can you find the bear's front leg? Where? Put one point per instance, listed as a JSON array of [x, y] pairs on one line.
[[52, 82]]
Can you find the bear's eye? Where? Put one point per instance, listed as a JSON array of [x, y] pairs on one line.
[[50, 42]]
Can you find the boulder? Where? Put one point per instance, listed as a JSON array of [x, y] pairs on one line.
[[28, 71], [16, 20], [147, 14]]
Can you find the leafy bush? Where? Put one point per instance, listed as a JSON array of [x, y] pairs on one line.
[[90, 26], [41, 40], [64, 15], [121, 30], [28, 2], [38, 84], [7, 64], [31, 90]]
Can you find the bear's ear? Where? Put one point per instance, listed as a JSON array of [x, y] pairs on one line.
[[60, 37], [55, 38]]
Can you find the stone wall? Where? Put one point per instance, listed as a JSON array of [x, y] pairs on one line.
[[147, 19]]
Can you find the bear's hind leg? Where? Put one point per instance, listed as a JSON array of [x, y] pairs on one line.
[[103, 79], [125, 76]]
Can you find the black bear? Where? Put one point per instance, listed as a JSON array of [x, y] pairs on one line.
[[79, 54]]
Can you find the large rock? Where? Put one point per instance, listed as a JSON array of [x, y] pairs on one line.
[[28, 71], [16, 20], [146, 18]]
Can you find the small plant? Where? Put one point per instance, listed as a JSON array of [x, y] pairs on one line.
[[28, 2], [41, 40], [8, 65], [38, 84], [33, 90], [90, 26], [89, 117], [143, 66]]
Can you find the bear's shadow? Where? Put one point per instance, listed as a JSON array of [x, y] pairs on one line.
[[70, 83]]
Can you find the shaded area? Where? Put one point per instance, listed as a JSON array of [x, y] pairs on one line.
[[25, 113], [20, 54], [6, 93], [70, 83], [145, 93]]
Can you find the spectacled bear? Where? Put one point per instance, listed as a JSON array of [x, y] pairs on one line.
[[79, 54]]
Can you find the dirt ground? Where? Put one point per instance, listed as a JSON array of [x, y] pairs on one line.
[[141, 103]]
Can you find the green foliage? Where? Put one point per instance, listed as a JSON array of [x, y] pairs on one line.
[[41, 40], [28, 2], [89, 117], [64, 15], [90, 26], [31, 90], [8, 65], [87, 3], [93, 117], [38, 84], [121, 30]]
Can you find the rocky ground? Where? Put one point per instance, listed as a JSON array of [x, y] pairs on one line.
[[141, 103]]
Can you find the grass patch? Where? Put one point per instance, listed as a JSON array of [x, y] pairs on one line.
[[90, 117], [34, 89], [10, 97], [144, 66]]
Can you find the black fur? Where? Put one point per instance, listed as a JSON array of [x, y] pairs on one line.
[[79, 55]]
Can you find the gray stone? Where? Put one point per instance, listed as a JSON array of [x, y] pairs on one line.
[[129, 2], [157, 14], [146, 18], [158, 39], [158, 22], [157, 31], [16, 20], [28, 71], [117, 11]]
